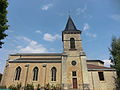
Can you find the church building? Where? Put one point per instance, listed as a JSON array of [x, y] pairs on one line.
[[70, 69]]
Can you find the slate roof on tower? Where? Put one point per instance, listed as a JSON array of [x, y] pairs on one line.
[[70, 26]]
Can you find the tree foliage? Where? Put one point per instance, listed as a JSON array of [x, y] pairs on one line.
[[12, 87], [3, 87], [15, 87], [115, 57], [29, 87], [3, 20]]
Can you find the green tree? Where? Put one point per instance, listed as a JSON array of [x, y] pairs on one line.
[[115, 58], [3, 87], [12, 87], [29, 87], [3, 20]]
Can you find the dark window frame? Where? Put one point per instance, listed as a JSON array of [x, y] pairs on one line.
[[35, 73], [18, 72], [73, 62], [53, 73], [72, 43], [101, 76], [74, 73]]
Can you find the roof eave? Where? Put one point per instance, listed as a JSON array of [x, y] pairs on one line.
[[101, 70]]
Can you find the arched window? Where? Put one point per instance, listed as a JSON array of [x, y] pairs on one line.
[[72, 43], [18, 71], [53, 72], [35, 74]]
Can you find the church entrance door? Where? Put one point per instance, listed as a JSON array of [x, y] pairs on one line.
[[74, 82]]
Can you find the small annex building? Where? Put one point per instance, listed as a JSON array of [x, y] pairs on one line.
[[69, 69]]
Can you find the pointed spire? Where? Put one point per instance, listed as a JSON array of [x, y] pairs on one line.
[[70, 26]]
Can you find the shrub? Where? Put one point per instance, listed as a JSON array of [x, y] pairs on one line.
[[2, 87], [29, 87], [58, 87], [38, 87], [13, 87], [18, 86], [47, 86], [52, 87]]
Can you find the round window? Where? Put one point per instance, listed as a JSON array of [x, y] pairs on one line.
[[73, 63]]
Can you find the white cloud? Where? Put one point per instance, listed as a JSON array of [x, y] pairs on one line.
[[19, 47], [38, 31], [31, 47], [90, 34], [81, 10], [107, 63], [49, 37], [46, 7], [87, 33], [86, 27], [52, 49], [115, 17], [10, 31]]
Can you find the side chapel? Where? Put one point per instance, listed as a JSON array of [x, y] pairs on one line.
[[69, 69]]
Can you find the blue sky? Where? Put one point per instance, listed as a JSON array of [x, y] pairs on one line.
[[36, 26]]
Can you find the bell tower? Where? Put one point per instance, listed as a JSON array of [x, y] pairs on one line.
[[71, 37], [74, 67]]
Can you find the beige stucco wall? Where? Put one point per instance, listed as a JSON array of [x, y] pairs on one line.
[[107, 84], [69, 68], [66, 42], [9, 75], [95, 63], [80, 68]]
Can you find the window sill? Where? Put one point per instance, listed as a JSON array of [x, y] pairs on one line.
[[53, 81], [16, 80], [35, 81], [72, 49], [102, 81]]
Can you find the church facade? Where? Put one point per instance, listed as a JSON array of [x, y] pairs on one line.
[[70, 69]]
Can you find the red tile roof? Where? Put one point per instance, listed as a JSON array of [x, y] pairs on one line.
[[95, 67]]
